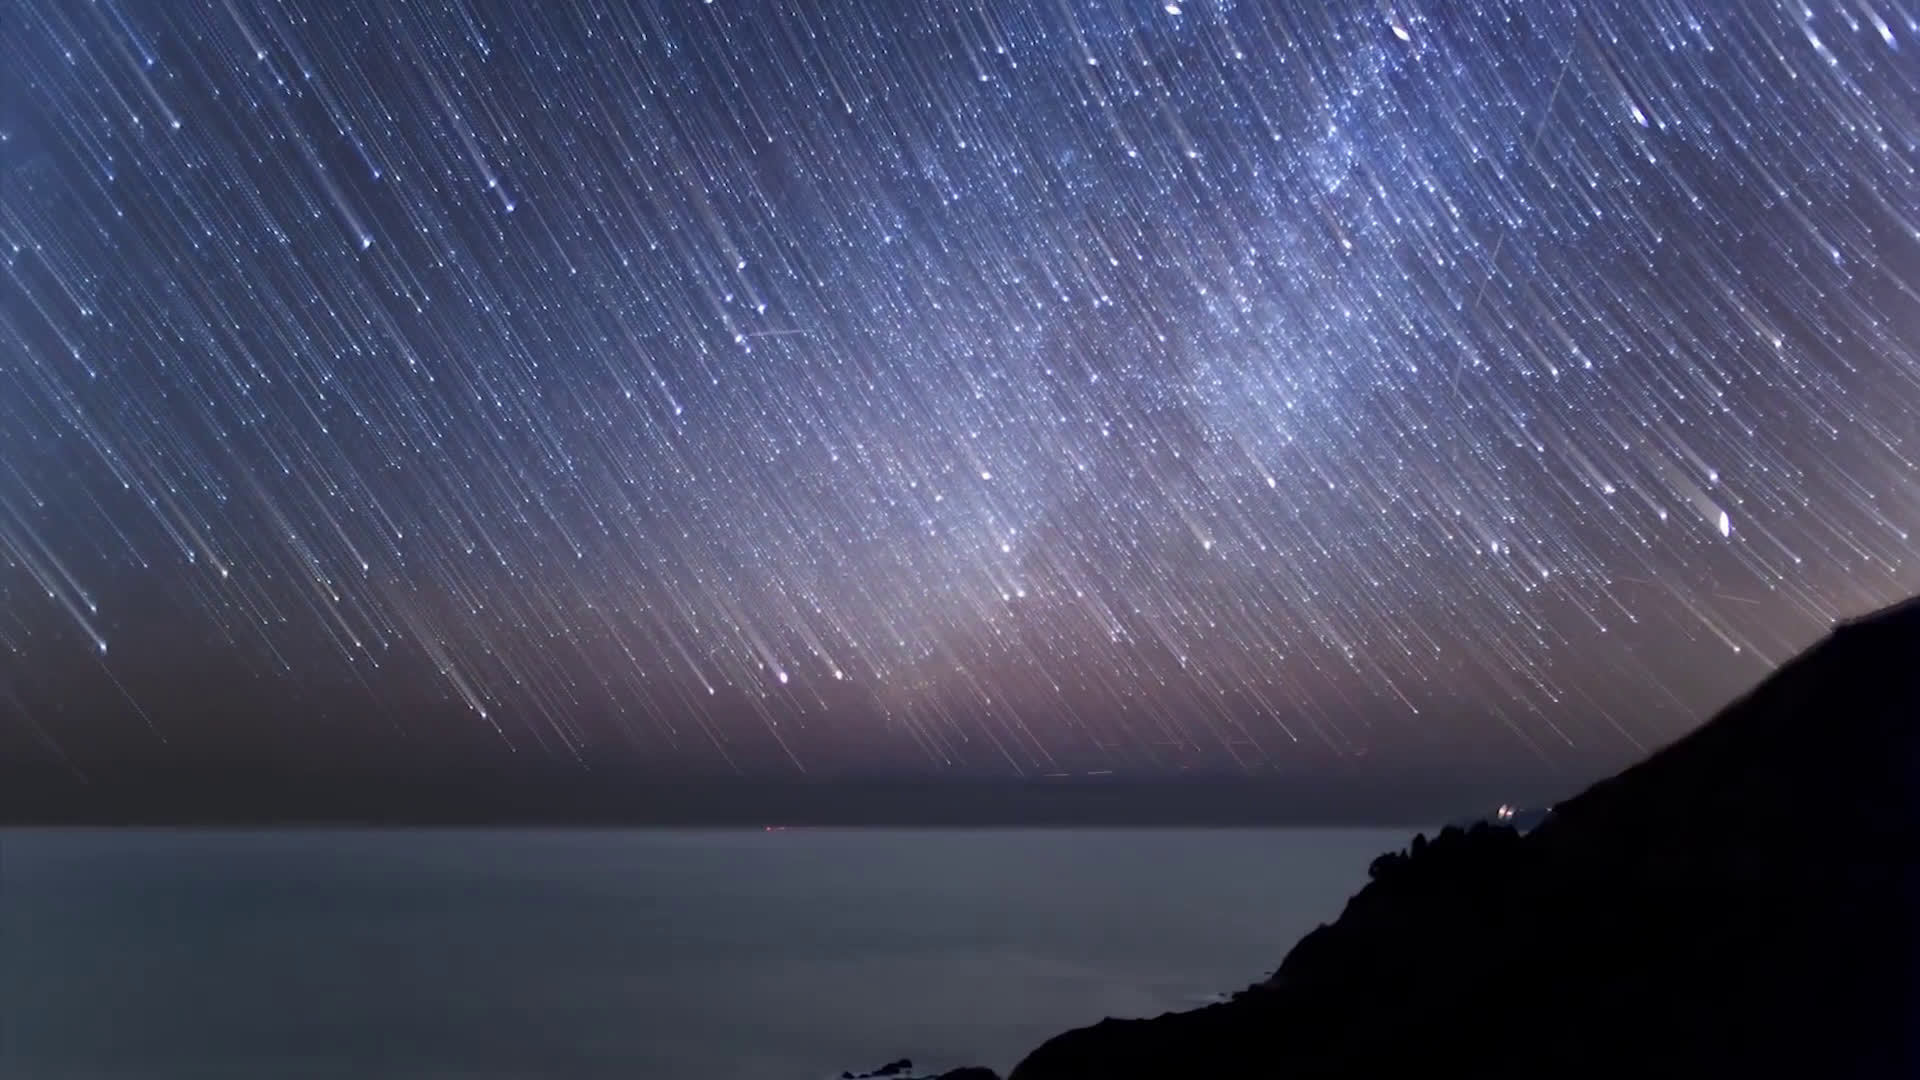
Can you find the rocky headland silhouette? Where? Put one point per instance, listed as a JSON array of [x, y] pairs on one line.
[[1742, 903]]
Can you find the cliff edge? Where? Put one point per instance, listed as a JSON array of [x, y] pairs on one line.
[[1743, 902]]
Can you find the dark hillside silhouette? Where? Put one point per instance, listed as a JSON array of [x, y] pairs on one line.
[[1742, 903]]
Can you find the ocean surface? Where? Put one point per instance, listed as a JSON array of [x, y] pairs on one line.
[[642, 954]]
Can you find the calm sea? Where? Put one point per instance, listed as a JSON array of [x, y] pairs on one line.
[[367, 955]]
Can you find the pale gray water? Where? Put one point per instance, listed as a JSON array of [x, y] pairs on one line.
[[365, 955]]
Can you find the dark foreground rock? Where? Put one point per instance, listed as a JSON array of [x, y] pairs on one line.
[[903, 1070], [892, 1069], [1741, 904]]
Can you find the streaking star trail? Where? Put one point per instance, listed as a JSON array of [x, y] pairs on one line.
[[1014, 387]]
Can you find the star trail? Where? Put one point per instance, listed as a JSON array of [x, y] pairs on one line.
[[1024, 387]]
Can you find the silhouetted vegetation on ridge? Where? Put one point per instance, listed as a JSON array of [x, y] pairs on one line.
[[1742, 903]]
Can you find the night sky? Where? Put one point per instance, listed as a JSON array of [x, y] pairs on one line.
[[998, 389]]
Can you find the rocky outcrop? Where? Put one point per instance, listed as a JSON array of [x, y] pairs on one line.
[[890, 1070], [1743, 903], [903, 1070]]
